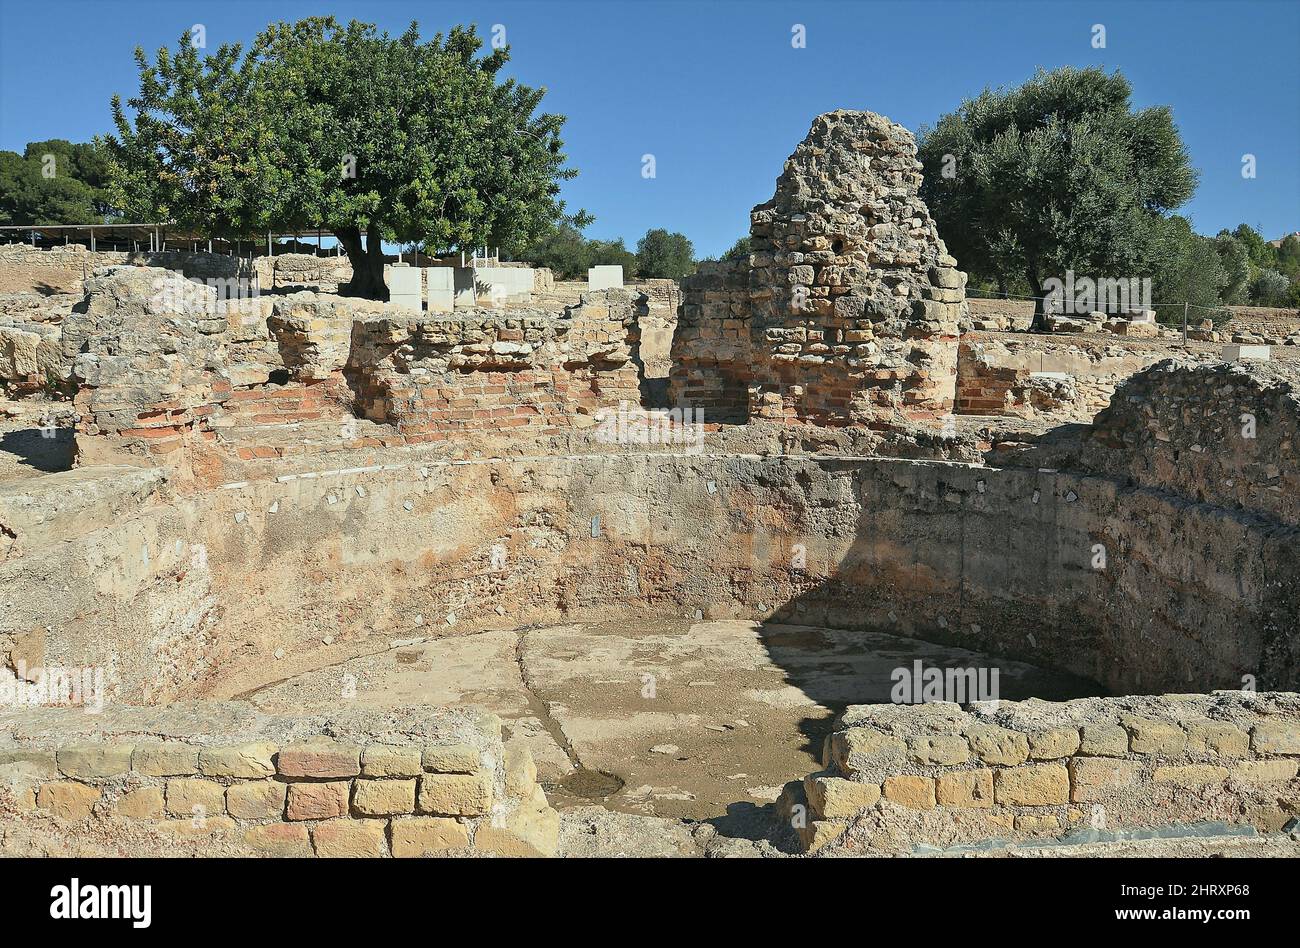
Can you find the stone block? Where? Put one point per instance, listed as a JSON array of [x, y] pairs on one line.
[[1217, 738], [190, 796], [94, 760], [939, 749], [1032, 785], [1265, 771], [452, 759], [350, 838], [1196, 775], [836, 798], [197, 826], [279, 839], [143, 803], [605, 278], [427, 835], [165, 760], [968, 789], [383, 797], [1276, 737], [860, 747], [1093, 779], [67, 799], [34, 762], [818, 833], [521, 771], [1037, 823], [1103, 740], [319, 760], [256, 800], [379, 760], [405, 286], [1053, 744], [1241, 353], [998, 745], [528, 830], [455, 794], [317, 801], [247, 761], [1158, 738], [441, 288], [910, 791]]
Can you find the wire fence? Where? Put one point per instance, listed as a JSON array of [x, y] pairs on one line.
[[1186, 306]]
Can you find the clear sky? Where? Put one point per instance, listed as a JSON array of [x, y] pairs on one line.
[[716, 92]]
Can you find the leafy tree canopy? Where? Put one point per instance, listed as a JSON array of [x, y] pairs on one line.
[[741, 248], [1058, 174], [345, 128], [570, 255], [55, 182], [664, 255], [1188, 269]]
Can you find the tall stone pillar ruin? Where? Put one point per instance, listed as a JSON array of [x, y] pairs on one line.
[[847, 310]]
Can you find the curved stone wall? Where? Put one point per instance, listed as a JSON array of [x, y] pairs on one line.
[[177, 595]]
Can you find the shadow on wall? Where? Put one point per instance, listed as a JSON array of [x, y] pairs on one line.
[[1138, 590], [35, 448], [839, 668]]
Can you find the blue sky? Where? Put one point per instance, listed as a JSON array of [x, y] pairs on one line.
[[718, 95]]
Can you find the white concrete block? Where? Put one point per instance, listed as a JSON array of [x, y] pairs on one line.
[[605, 278], [1239, 353], [497, 286], [441, 282], [404, 286], [463, 283]]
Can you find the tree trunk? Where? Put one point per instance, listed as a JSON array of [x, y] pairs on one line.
[[1039, 323], [367, 264]]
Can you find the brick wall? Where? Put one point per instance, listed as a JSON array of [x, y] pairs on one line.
[[402, 782], [898, 777], [492, 372], [162, 369], [713, 358]]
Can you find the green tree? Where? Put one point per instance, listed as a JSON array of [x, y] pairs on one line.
[[1058, 174], [561, 248], [741, 248], [569, 254], [1189, 269], [614, 253], [1270, 288], [54, 182], [664, 255], [370, 137], [1261, 254], [1236, 266], [1288, 257]]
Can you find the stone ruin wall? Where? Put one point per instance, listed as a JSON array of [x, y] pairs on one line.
[[1060, 378], [1216, 433], [125, 574], [435, 379], [847, 311], [909, 779], [401, 782], [163, 369], [1066, 379]]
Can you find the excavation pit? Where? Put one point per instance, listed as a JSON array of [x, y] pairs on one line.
[[671, 718], [359, 580]]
